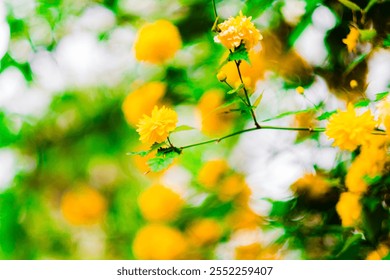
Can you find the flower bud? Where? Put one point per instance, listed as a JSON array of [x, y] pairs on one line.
[[221, 76]]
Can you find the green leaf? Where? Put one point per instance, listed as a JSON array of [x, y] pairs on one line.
[[367, 34], [241, 86], [160, 163], [255, 8], [350, 5], [369, 5], [351, 242], [305, 21], [381, 95], [355, 63], [288, 114], [182, 128], [138, 153], [258, 100], [386, 42], [326, 115], [240, 53], [362, 103]]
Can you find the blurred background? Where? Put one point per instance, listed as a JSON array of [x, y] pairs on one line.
[[71, 90]]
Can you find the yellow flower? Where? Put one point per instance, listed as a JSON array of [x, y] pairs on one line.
[[300, 90], [243, 218], [314, 185], [83, 206], [159, 203], [237, 30], [212, 172], [350, 130], [159, 242], [221, 76], [141, 101], [352, 39], [349, 209], [204, 231], [378, 254], [156, 128], [231, 187], [368, 164], [157, 42], [353, 84], [384, 113], [215, 119], [256, 251]]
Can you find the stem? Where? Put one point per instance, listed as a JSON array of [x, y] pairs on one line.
[[215, 9], [170, 143], [246, 95], [309, 129]]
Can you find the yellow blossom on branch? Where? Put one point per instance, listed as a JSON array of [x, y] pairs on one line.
[[156, 127], [350, 130], [157, 42], [352, 39], [237, 30]]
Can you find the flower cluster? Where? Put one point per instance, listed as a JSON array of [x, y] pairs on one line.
[[350, 130], [236, 31], [156, 127]]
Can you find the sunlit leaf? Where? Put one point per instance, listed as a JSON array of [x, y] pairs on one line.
[[350, 5], [355, 63], [282, 115], [326, 115], [367, 34], [381, 95], [182, 128], [162, 162]]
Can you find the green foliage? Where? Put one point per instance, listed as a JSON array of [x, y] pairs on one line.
[[239, 53]]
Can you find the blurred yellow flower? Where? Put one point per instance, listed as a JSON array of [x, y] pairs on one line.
[[231, 186], [243, 218], [142, 100], [349, 209], [157, 42], [353, 84], [212, 172], [215, 119], [300, 90], [352, 39], [83, 206], [256, 251], [315, 185], [155, 128], [381, 251], [204, 231], [350, 130], [159, 203], [251, 73], [384, 113], [159, 242], [237, 30], [368, 164]]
